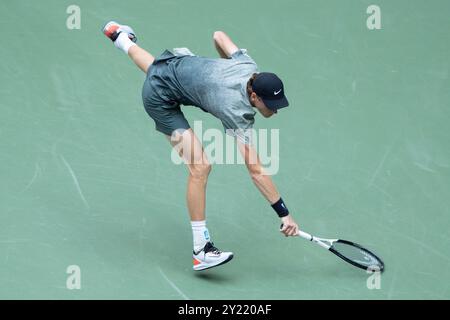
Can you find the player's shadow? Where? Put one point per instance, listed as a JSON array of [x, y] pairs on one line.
[[213, 277]]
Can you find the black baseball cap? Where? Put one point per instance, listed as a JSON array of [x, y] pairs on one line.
[[271, 90]]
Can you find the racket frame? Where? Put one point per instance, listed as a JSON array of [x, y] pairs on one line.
[[328, 244]]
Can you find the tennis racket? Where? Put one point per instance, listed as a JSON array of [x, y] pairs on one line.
[[348, 251]]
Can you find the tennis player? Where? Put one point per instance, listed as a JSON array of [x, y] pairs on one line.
[[229, 88]]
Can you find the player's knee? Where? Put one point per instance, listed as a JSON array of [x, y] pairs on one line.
[[200, 171]]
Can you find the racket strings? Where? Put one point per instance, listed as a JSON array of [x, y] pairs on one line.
[[357, 255]]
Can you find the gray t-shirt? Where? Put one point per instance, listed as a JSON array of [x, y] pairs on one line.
[[217, 86]]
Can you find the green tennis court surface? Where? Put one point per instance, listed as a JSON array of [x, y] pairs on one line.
[[364, 153]]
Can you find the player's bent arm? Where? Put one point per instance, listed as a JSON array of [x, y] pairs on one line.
[[266, 186], [224, 46]]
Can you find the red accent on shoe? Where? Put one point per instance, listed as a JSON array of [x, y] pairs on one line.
[[110, 31]]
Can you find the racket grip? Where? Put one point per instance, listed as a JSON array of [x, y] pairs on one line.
[[302, 234], [305, 235]]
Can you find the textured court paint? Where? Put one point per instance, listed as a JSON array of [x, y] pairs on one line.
[[85, 180]]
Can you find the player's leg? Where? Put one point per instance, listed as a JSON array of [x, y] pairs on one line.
[[125, 39], [190, 149]]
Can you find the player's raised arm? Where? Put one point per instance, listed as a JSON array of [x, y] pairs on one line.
[[267, 188], [224, 46]]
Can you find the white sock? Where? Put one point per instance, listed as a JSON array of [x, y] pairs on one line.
[[200, 234], [123, 42]]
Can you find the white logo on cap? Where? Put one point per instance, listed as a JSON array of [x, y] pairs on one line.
[[277, 92]]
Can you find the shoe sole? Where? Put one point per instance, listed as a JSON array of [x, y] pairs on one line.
[[223, 262]]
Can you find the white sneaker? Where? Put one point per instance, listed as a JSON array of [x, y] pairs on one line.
[[112, 30], [210, 257]]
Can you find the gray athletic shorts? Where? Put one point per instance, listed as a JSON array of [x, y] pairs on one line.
[[158, 100]]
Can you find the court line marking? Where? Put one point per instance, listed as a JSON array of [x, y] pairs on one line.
[[75, 181], [37, 171], [173, 285], [423, 167], [405, 236]]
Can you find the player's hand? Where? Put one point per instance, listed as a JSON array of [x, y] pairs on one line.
[[289, 227]]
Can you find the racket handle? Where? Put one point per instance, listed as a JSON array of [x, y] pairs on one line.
[[302, 234], [305, 235]]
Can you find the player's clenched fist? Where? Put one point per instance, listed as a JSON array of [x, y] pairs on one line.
[[289, 226]]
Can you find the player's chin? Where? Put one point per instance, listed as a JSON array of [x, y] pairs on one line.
[[263, 110], [268, 114]]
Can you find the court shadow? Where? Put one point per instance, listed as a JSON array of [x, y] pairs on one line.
[[213, 277], [328, 271]]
